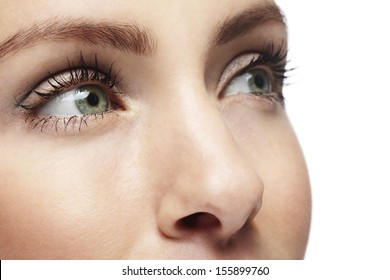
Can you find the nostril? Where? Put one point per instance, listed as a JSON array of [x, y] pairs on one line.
[[199, 221]]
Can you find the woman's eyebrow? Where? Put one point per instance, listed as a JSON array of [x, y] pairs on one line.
[[243, 22], [124, 37]]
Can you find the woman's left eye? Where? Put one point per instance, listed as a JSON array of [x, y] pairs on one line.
[[82, 100], [254, 81]]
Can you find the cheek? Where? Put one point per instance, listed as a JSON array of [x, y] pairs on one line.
[[269, 143], [62, 202]]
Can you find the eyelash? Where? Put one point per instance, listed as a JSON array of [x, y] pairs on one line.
[[275, 57], [75, 75], [80, 73]]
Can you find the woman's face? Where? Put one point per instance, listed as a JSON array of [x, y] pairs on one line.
[[147, 129]]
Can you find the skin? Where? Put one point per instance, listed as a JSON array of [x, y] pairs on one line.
[[126, 186]]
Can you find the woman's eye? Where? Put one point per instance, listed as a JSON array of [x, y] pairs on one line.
[[82, 100], [254, 81]]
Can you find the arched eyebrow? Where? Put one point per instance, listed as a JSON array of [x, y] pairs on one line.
[[124, 37], [243, 22]]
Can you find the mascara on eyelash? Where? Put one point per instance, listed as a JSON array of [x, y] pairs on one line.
[[275, 57]]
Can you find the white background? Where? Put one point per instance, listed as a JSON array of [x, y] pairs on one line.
[[339, 105]]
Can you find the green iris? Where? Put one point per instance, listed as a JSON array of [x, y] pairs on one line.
[[258, 82], [92, 99]]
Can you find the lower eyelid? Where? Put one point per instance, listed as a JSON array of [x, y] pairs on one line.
[[264, 103]]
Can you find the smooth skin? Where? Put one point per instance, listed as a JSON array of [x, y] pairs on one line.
[[178, 173]]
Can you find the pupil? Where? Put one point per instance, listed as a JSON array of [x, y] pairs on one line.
[[93, 99], [259, 81]]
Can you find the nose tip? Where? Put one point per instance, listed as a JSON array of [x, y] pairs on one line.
[[216, 211]]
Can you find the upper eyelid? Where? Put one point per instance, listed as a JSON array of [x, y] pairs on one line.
[[233, 68], [75, 64], [249, 60], [109, 78]]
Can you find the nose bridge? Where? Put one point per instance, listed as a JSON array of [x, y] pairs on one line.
[[209, 173], [199, 130]]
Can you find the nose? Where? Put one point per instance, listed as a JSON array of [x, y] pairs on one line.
[[212, 188]]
